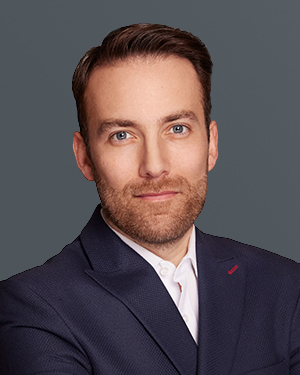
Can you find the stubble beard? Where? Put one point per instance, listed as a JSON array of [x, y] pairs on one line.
[[159, 223]]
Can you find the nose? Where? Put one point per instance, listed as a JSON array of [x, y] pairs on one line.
[[154, 160]]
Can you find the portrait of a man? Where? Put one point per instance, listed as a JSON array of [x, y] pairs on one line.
[[141, 290]]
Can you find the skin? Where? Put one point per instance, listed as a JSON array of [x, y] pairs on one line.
[[147, 131]]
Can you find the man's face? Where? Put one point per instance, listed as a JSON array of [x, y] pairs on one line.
[[149, 147]]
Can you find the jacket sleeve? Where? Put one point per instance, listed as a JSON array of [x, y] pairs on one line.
[[34, 339], [295, 342]]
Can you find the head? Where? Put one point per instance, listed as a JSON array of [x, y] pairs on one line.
[[142, 40], [146, 139]]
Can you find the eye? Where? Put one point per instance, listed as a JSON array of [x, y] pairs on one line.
[[178, 129], [121, 136]]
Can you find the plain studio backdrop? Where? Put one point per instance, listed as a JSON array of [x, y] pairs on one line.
[[253, 190]]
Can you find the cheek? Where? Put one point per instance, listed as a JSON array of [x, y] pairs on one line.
[[115, 168], [191, 161]]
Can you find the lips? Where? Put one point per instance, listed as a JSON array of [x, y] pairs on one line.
[[157, 196]]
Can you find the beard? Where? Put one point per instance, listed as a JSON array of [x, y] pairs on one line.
[[159, 223]]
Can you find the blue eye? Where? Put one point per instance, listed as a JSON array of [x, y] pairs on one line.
[[178, 128], [121, 136]]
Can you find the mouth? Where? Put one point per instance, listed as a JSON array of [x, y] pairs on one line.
[[164, 195]]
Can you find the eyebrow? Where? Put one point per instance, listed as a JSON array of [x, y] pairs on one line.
[[180, 115], [113, 123]]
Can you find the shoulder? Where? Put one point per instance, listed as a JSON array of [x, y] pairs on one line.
[[259, 261], [62, 269], [47, 295]]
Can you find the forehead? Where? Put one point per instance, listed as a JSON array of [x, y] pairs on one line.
[[140, 87]]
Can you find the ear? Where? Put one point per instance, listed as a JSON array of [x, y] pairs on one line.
[[81, 156], [213, 145]]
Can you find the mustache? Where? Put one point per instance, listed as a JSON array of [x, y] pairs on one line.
[[176, 183]]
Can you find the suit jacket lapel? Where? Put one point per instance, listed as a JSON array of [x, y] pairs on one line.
[[222, 283], [126, 275]]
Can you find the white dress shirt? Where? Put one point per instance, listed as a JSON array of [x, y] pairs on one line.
[[180, 282]]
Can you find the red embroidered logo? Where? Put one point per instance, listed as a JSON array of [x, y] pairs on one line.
[[233, 269]]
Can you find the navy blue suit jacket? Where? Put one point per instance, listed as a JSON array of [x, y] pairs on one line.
[[99, 308]]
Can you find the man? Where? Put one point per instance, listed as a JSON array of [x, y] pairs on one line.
[[141, 291]]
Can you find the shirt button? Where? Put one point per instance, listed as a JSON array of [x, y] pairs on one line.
[[185, 318], [164, 271]]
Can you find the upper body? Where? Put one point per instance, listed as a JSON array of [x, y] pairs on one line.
[[99, 308], [146, 139]]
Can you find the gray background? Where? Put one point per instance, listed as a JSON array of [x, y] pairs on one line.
[[253, 190]]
